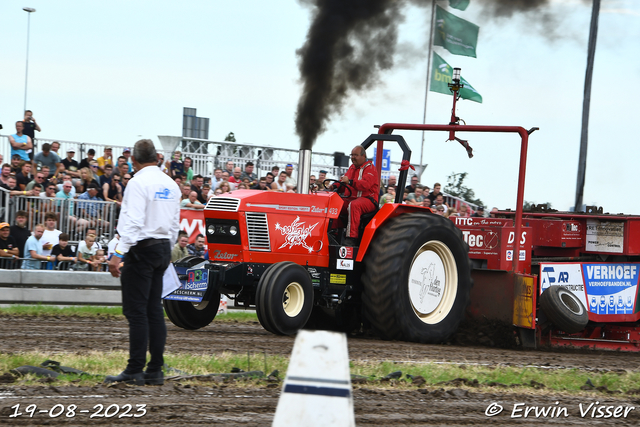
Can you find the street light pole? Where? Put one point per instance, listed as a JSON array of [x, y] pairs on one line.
[[29, 11]]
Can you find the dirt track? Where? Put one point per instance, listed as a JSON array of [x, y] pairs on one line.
[[231, 404]]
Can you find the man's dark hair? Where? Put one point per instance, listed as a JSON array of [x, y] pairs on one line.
[[263, 178], [50, 215], [122, 157], [52, 185], [28, 111], [6, 165], [145, 152], [91, 151], [283, 172], [108, 166], [36, 185], [198, 176], [269, 173], [22, 213], [64, 237], [182, 233], [248, 164], [46, 147], [199, 236]]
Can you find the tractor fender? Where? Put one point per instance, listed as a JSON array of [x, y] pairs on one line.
[[386, 212]]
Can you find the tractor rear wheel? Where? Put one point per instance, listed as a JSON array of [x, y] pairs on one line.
[[284, 298], [564, 309], [417, 279], [189, 315]]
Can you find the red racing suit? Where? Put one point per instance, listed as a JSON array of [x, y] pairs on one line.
[[365, 189]]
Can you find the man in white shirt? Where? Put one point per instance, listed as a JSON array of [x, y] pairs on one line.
[[50, 236], [148, 228]]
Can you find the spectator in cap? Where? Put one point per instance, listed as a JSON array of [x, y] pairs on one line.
[[105, 159], [71, 165], [20, 232], [89, 208], [127, 155], [479, 213], [8, 247]]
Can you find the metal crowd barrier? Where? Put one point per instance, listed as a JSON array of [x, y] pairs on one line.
[[16, 264], [74, 216]]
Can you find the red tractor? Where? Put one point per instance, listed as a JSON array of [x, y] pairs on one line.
[[409, 277]]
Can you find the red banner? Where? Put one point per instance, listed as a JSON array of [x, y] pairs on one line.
[[192, 221]]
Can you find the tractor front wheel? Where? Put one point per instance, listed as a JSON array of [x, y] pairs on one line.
[[417, 279], [189, 315], [284, 298]]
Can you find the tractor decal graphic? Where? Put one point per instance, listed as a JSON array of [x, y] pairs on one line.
[[296, 234], [430, 284]]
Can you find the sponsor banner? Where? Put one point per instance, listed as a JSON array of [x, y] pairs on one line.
[[609, 288], [605, 236]]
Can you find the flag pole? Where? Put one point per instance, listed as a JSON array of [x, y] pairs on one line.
[[586, 103], [426, 91]]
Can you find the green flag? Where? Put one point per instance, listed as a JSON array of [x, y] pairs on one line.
[[459, 4], [441, 74], [458, 36]]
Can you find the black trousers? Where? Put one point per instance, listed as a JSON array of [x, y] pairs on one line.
[[141, 282]]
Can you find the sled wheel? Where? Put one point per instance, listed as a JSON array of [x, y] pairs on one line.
[[564, 309], [284, 298], [417, 279], [188, 315]]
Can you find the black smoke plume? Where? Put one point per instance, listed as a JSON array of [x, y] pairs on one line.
[[349, 43]]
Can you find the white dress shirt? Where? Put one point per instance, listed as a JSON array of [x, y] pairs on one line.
[[150, 209]]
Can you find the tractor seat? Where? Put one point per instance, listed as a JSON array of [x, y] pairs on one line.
[[365, 219]]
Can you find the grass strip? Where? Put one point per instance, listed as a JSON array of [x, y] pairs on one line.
[[369, 373], [41, 310]]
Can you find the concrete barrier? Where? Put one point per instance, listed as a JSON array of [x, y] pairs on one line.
[[59, 287]]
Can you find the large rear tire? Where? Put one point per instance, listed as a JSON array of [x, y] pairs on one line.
[[564, 309], [188, 315], [417, 279], [284, 298]]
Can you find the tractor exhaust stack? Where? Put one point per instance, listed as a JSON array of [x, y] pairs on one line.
[[304, 171]]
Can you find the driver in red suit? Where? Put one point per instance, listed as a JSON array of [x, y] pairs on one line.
[[362, 179]]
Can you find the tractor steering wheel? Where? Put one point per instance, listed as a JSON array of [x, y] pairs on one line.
[[342, 184]]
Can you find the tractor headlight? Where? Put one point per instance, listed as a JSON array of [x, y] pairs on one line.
[[226, 231]]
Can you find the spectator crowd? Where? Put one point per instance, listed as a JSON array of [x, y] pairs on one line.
[[45, 174]]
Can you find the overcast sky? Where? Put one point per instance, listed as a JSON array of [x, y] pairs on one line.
[[113, 72]]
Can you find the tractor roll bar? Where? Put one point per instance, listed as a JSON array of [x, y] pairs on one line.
[[388, 128]]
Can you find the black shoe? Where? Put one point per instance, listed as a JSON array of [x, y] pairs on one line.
[[350, 241], [154, 378], [135, 379]]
